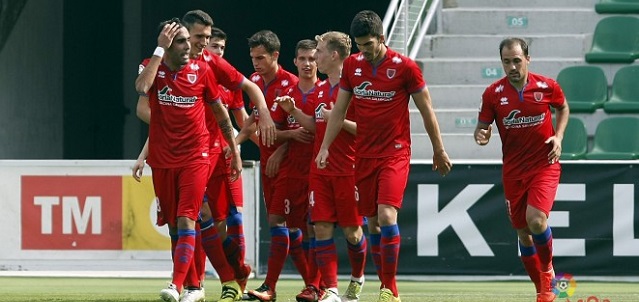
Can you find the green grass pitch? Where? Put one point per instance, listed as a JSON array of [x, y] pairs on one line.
[[17, 289]]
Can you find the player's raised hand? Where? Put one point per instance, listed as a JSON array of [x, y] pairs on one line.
[[287, 103], [168, 32]]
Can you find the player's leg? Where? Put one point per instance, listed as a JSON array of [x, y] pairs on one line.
[[392, 180], [296, 220], [366, 187]]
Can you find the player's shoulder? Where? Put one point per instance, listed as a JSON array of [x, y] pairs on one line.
[[397, 59], [541, 81], [255, 77], [496, 87]]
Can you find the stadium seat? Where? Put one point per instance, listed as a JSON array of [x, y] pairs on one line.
[[625, 91], [616, 138], [585, 87], [614, 40], [617, 7], [575, 142]]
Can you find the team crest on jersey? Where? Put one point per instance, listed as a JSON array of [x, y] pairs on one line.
[[538, 96], [390, 73], [191, 77]]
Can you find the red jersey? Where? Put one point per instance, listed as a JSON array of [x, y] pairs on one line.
[[342, 150], [300, 155], [283, 80], [523, 120], [381, 94], [178, 134], [225, 74]]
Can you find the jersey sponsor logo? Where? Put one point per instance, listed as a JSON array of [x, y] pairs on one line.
[[538, 96], [191, 77], [319, 115], [390, 73], [512, 121], [374, 95], [166, 98]]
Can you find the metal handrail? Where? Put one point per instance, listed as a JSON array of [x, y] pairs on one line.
[[411, 44], [435, 9]]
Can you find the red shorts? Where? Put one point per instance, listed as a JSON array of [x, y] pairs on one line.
[[179, 192], [274, 193], [296, 203], [334, 199], [537, 190], [223, 194], [381, 181]]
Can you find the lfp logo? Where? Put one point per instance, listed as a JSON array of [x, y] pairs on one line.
[[565, 285]]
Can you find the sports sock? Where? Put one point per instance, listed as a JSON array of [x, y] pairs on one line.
[[199, 257], [212, 244], [277, 255], [326, 257], [183, 256], [390, 254], [543, 244], [297, 254], [357, 257], [377, 256], [313, 269], [531, 263], [235, 231]]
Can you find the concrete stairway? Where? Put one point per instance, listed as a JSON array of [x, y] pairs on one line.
[[462, 58]]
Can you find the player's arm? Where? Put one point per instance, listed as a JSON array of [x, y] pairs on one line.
[[300, 134], [145, 79], [138, 166], [334, 126], [247, 130], [348, 126], [224, 122], [561, 115], [422, 100], [287, 104], [143, 109], [240, 117], [274, 161], [266, 125]]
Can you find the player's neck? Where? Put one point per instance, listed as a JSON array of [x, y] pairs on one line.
[[172, 66], [519, 85], [380, 56], [334, 76], [270, 76], [306, 84]]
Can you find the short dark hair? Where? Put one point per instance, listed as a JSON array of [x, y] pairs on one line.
[[217, 33], [265, 38], [197, 16], [510, 42], [366, 23], [172, 20], [306, 44]]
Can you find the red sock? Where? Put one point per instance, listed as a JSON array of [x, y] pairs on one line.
[[183, 256], [390, 255], [277, 256], [377, 255], [313, 269], [232, 251], [531, 264], [543, 245], [235, 231], [199, 258], [326, 255], [298, 255], [192, 276], [357, 257], [212, 245]]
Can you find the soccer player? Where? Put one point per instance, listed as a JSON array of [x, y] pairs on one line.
[[273, 80], [332, 193], [520, 105], [381, 82], [299, 157], [177, 90]]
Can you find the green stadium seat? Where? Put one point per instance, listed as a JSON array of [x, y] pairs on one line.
[[625, 91], [585, 87], [617, 7], [615, 40], [575, 142], [616, 139]]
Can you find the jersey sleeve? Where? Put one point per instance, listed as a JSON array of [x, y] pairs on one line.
[[558, 97], [344, 81], [486, 112], [236, 100], [225, 73], [141, 67], [211, 91], [414, 77]]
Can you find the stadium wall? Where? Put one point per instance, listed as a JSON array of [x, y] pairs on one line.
[[92, 217]]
